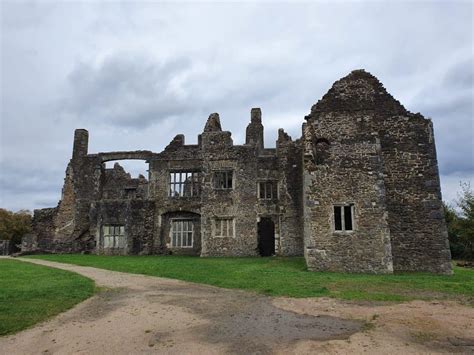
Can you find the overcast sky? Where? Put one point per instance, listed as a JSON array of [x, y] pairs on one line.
[[137, 74]]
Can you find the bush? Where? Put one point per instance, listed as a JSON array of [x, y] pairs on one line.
[[14, 225]]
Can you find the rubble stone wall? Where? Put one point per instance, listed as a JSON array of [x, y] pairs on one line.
[[381, 155], [359, 147]]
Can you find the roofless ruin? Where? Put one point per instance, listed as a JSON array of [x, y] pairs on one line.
[[358, 192]]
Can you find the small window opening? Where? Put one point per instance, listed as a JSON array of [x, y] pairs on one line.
[[113, 236], [321, 151], [337, 218], [182, 233], [268, 190], [224, 227], [184, 184], [344, 218], [223, 179]]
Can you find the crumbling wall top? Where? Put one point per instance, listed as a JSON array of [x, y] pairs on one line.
[[125, 155], [213, 123], [358, 91]]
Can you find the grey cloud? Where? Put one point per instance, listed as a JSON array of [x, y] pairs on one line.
[[461, 75], [27, 187], [449, 101], [136, 75], [127, 90]]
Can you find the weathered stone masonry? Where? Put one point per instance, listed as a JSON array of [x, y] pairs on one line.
[[359, 192]]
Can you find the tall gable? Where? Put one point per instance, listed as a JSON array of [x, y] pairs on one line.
[[358, 91]]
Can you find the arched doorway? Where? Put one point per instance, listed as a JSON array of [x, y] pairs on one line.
[[266, 237]]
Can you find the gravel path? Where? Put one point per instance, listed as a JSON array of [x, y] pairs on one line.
[[143, 314]]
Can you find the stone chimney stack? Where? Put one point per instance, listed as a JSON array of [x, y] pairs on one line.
[[254, 134], [81, 143]]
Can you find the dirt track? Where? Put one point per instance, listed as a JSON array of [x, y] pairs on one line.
[[141, 314]]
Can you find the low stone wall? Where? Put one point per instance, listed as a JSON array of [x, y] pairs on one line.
[[31, 244], [5, 247]]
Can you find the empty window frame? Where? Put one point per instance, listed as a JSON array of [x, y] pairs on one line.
[[223, 179], [344, 218], [224, 227], [113, 236], [268, 190], [182, 233], [184, 184]]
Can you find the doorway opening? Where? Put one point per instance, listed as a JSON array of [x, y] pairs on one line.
[[266, 237]]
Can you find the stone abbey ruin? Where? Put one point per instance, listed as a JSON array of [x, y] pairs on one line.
[[358, 192]]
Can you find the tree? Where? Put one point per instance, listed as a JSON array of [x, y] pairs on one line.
[[460, 224], [466, 220], [451, 217], [14, 225]]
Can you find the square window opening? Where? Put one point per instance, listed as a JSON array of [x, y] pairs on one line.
[[184, 184], [113, 236], [268, 190], [224, 227], [223, 180]]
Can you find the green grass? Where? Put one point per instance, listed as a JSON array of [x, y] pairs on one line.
[[286, 277], [32, 293]]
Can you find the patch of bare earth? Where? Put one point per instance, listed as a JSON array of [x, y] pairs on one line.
[[143, 314], [408, 328]]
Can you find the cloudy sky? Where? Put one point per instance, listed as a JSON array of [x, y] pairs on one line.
[[136, 74]]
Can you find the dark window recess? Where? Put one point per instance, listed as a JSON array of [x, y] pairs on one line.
[[348, 218], [321, 151], [223, 179], [343, 218], [268, 190], [337, 218]]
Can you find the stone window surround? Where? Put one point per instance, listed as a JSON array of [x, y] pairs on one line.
[[277, 192], [171, 232], [195, 173], [333, 219], [114, 236], [216, 219], [224, 170]]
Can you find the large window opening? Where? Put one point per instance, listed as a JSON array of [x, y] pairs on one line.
[[125, 179], [344, 218], [223, 180], [133, 167], [182, 233], [113, 236], [184, 184]]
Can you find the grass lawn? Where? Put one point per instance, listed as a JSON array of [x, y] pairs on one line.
[[32, 293], [286, 277]]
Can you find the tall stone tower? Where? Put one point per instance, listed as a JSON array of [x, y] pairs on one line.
[[372, 197]]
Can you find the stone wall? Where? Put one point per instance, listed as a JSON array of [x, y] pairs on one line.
[[382, 159], [5, 247], [137, 217], [238, 203], [350, 174], [289, 161], [359, 147]]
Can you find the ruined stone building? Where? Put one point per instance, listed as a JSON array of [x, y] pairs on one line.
[[358, 192]]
